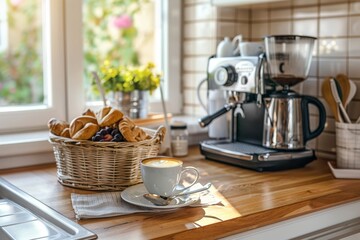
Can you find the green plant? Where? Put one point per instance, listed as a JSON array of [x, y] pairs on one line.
[[21, 76], [127, 79], [110, 33]]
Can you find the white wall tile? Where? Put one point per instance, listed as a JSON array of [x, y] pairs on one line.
[[259, 30], [243, 29], [326, 142], [332, 67], [354, 47], [333, 27], [243, 15], [200, 29], [199, 47], [310, 87], [280, 14], [333, 47], [226, 13], [192, 80], [355, 7], [189, 97], [304, 2], [259, 14], [333, 10], [305, 12], [226, 29], [195, 64], [199, 12], [354, 110], [354, 68], [280, 28], [305, 27], [354, 26]]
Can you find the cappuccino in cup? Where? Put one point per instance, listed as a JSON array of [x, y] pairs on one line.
[[162, 175], [162, 162]]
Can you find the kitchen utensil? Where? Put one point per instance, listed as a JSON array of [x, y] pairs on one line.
[[344, 83], [287, 120], [329, 98], [342, 111], [100, 88], [289, 58], [351, 93], [163, 201]]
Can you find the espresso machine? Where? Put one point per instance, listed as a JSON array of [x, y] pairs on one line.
[[270, 123]]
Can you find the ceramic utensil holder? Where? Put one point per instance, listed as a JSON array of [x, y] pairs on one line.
[[348, 145]]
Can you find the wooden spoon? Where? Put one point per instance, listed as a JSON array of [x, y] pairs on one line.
[[329, 98], [344, 83]]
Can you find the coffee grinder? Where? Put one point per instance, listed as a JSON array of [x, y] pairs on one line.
[[270, 123]]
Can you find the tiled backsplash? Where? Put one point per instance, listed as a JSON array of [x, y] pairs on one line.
[[336, 24]]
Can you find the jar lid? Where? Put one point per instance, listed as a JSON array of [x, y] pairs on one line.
[[178, 125]]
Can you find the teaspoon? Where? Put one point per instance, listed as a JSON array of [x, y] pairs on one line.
[[163, 201]]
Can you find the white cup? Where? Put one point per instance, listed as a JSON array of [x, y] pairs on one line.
[[161, 175], [251, 48]]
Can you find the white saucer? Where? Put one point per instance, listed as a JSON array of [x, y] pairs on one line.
[[135, 195], [344, 172]]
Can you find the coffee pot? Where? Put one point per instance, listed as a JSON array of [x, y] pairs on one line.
[[287, 117], [287, 121]]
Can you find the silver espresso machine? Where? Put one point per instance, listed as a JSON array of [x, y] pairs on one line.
[[270, 123]]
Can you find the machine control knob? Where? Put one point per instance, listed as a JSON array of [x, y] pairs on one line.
[[225, 75], [244, 80]]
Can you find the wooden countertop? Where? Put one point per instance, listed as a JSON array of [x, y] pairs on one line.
[[249, 200]]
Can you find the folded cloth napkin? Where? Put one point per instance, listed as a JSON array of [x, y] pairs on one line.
[[109, 204]]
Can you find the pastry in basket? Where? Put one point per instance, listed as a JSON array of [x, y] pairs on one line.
[[89, 112], [83, 127], [58, 127], [131, 132], [108, 116]]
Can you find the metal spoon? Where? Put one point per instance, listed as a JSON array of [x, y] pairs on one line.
[[163, 201]]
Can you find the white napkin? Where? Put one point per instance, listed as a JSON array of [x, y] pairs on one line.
[[109, 204]]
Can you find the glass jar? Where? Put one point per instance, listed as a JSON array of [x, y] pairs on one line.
[[179, 138]]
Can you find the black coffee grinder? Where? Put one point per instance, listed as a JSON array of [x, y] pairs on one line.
[[270, 123]]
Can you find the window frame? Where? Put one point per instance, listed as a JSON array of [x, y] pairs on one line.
[[22, 118], [24, 135], [169, 21]]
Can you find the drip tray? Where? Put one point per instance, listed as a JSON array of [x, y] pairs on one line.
[[253, 156], [24, 217]]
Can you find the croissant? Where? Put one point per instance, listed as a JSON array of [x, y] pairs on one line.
[[83, 127], [89, 112], [57, 126], [108, 116], [131, 132]]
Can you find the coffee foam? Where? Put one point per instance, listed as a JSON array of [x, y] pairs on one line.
[[162, 162]]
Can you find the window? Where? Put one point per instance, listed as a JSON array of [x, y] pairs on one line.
[[60, 51], [3, 26], [31, 65]]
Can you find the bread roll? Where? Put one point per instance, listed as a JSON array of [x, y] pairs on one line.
[[89, 112], [57, 126], [83, 128], [131, 132], [108, 116]]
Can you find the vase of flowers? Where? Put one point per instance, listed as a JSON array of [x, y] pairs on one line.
[[128, 88]]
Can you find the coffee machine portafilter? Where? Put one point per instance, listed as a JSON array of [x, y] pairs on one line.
[[249, 88]]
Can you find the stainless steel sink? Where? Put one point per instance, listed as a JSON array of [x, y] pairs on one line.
[[23, 217]]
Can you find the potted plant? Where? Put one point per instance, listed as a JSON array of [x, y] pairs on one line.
[[128, 88]]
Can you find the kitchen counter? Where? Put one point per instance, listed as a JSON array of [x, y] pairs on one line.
[[249, 200]]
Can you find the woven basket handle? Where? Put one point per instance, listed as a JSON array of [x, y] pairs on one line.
[[160, 134]]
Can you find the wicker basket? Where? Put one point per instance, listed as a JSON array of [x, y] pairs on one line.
[[103, 165]]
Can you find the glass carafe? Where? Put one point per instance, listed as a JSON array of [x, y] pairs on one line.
[[288, 58]]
